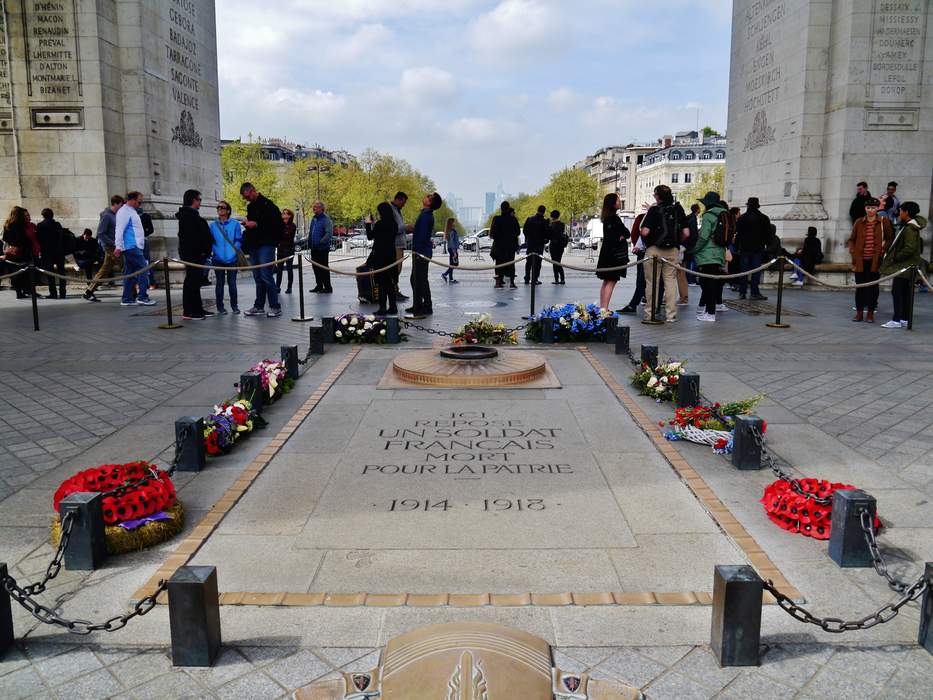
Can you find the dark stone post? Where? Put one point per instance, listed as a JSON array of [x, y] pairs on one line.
[[194, 615], [251, 390], [316, 340], [612, 329], [847, 544], [736, 631], [925, 638], [622, 340], [649, 355], [688, 390], [189, 444], [6, 616], [746, 453], [393, 332], [329, 326], [547, 331], [87, 546], [290, 360]]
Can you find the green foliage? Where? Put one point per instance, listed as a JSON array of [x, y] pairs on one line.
[[570, 191], [711, 180], [710, 131], [242, 162]]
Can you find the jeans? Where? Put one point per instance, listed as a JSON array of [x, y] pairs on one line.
[[286, 267], [191, 303], [321, 277], [228, 276], [900, 295], [750, 261], [712, 288], [134, 261], [264, 277], [690, 264], [867, 297], [56, 265], [420, 287], [453, 259]]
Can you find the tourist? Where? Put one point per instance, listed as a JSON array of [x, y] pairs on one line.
[[504, 232], [733, 259], [871, 235], [227, 244], [195, 244], [423, 249], [638, 247], [286, 249], [558, 243], [452, 243], [904, 252], [129, 241], [613, 251], [88, 253], [710, 254], [401, 239], [106, 237], [383, 234], [857, 208], [890, 204], [808, 256], [320, 233], [536, 230], [664, 228], [51, 238], [22, 248], [693, 223], [752, 234], [263, 232]]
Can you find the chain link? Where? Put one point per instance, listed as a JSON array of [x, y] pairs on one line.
[[446, 334], [784, 476], [877, 560], [55, 566], [153, 474]]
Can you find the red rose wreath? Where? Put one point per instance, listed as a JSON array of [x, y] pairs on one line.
[[797, 513], [155, 495]]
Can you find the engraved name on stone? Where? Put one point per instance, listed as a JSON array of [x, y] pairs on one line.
[[185, 69], [53, 65], [898, 34], [762, 71], [6, 99]]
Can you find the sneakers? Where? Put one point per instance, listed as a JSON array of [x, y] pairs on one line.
[[127, 303], [683, 302], [235, 309], [759, 297], [894, 324], [797, 283], [208, 313], [703, 316], [192, 318], [145, 302], [721, 307], [221, 312], [455, 281], [273, 313], [670, 320], [626, 310], [90, 296], [253, 312]]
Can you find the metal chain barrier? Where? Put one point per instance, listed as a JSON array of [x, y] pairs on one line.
[[781, 474], [446, 334], [55, 566], [877, 560]]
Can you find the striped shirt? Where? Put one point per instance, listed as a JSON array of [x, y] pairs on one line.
[[868, 252]]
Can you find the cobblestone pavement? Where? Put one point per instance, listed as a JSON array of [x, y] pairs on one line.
[[99, 380]]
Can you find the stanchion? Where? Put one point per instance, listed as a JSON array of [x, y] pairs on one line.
[[688, 391], [6, 615], [190, 452], [194, 615], [623, 337], [32, 295], [393, 332], [649, 355], [87, 545], [534, 284], [251, 390], [653, 321], [780, 298], [547, 331], [301, 294], [289, 354], [910, 299], [328, 326], [316, 340], [847, 544], [169, 321], [612, 329], [746, 450], [925, 637], [736, 630], [415, 298]]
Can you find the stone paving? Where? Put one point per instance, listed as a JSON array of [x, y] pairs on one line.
[[100, 385]]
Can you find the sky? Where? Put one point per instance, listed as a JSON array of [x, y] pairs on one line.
[[473, 93]]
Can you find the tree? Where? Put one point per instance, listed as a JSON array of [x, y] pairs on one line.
[[710, 131], [709, 181], [243, 162], [301, 186], [572, 191]]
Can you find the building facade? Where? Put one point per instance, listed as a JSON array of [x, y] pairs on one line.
[[678, 163], [615, 168]]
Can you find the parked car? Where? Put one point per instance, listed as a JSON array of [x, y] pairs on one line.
[[437, 239], [359, 242], [481, 239]]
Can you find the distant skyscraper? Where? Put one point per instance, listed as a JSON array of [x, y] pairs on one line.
[[490, 203]]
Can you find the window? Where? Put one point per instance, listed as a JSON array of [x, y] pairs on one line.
[[675, 155], [707, 155], [688, 178], [720, 155], [690, 155], [675, 178], [640, 160]]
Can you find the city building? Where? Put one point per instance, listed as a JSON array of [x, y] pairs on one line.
[[678, 162], [490, 203], [615, 168], [282, 152]]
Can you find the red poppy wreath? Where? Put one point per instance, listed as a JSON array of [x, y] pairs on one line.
[[796, 512], [155, 495]]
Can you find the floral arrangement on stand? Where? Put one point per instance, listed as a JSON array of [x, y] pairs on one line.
[[230, 421], [141, 516], [571, 322], [273, 378], [710, 425], [794, 512], [359, 329], [482, 331], [660, 383]]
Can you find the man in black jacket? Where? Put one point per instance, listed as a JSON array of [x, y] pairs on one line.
[[537, 231], [559, 240], [263, 231], [857, 208], [52, 251], [194, 245], [752, 233]]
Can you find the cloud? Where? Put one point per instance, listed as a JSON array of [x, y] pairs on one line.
[[515, 30], [563, 98], [364, 43], [316, 106], [427, 85], [480, 130]]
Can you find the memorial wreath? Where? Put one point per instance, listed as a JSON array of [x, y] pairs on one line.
[[230, 421], [482, 331], [360, 329], [660, 382], [795, 512], [571, 322], [710, 425], [273, 378]]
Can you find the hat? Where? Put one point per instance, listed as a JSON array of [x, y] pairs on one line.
[[872, 202], [710, 199], [753, 203]]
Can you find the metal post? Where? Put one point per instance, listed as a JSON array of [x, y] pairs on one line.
[[169, 321], [393, 332], [301, 294], [910, 299], [649, 355], [87, 545], [190, 452], [194, 615], [35, 300], [251, 390], [925, 637], [316, 340], [290, 360], [847, 544], [547, 331], [653, 321], [688, 390], [746, 452], [328, 326], [622, 341], [6, 615], [780, 298], [612, 329], [534, 284], [736, 629]]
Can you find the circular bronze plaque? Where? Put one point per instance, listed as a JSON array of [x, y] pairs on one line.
[[507, 368], [469, 352]]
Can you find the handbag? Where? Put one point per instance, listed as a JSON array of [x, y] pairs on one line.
[[241, 259]]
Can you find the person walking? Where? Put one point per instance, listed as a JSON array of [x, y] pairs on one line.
[[106, 236], [320, 232], [51, 238], [227, 234], [904, 252], [504, 233], [422, 248], [129, 242], [613, 250], [88, 253], [558, 244], [710, 254], [452, 243], [286, 249], [664, 228], [195, 243], [536, 230], [401, 239], [870, 237], [383, 234], [263, 232], [22, 248], [752, 234]]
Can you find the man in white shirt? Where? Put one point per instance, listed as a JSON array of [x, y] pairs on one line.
[[129, 241]]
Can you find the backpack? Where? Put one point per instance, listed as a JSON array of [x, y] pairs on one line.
[[724, 231], [669, 236]]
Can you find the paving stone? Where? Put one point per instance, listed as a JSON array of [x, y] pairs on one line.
[[297, 670], [141, 668], [631, 668], [674, 686], [68, 665], [169, 685], [99, 684], [228, 665], [339, 657], [751, 684], [255, 686], [701, 666], [20, 684]]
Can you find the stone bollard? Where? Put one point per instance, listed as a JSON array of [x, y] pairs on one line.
[[925, 637], [612, 329], [746, 452], [623, 337], [736, 629], [649, 355], [688, 390], [329, 325], [393, 331], [87, 544], [547, 332], [6, 616], [290, 360], [190, 453], [194, 615], [251, 390], [316, 340], [847, 544]]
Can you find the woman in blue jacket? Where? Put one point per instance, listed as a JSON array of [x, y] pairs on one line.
[[228, 237]]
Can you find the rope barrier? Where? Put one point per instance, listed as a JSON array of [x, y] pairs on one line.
[[859, 285], [617, 268], [231, 268], [475, 268], [13, 274], [763, 266], [102, 279], [925, 280], [398, 262]]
